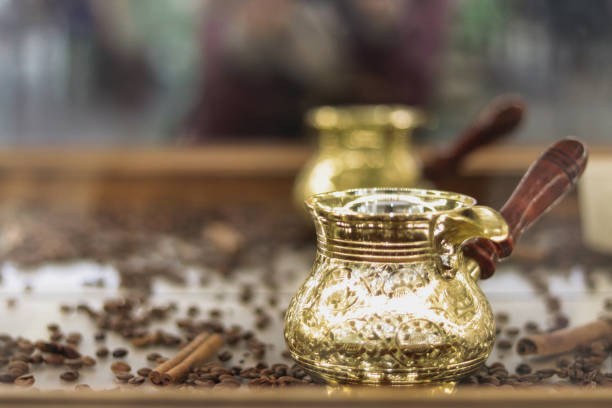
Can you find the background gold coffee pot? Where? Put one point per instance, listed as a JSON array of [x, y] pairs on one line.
[[392, 297], [364, 146]]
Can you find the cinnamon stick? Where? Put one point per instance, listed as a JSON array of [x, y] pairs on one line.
[[564, 340], [210, 346], [156, 375]]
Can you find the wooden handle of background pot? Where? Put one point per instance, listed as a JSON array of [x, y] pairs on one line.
[[546, 182], [500, 117]]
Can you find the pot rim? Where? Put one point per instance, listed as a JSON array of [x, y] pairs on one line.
[[331, 206], [343, 117]]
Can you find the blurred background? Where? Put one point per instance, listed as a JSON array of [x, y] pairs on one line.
[[162, 72], [153, 146]]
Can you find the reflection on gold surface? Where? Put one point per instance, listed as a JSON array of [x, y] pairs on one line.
[[426, 389], [360, 146], [391, 299]]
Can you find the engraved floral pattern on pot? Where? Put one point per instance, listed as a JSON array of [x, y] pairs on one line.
[[341, 290], [404, 280], [377, 307]]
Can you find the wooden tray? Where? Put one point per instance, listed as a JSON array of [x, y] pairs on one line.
[[214, 175]]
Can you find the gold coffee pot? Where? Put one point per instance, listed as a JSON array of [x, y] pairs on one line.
[[370, 146], [360, 146], [392, 297]]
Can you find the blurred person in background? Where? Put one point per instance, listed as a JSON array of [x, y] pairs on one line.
[[265, 63], [96, 71], [149, 71]]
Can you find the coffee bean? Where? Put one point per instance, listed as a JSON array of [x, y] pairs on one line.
[[88, 361], [218, 371], [49, 347], [18, 368], [489, 380], [496, 365], [25, 380], [52, 347], [74, 363], [226, 385], [532, 378], [204, 383], [232, 339], [504, 344], [144, 372], [230, 381], [65, 309], [280, 370], [25, 346], [208, 377], [267, 372], [6, 378], [102, 352], [563, 362], [263, 321], [138, 380], [74, 338], [20, 357], [153, 356], [120, 352], [523, 369], [498, 371], [512, 331], [70, 352], [531, 327], [502, 318], [69, 375], [553, 304], [597, 359], [54, 359], [287, 380], [36, 358], [124, 376], [297, 372], [546, 372], [56, 336], [120, 366], [225, 356], [246, 294], [53, 327], [100, 336], [272, 301], [560, 321], [598, 348], [193, 311]]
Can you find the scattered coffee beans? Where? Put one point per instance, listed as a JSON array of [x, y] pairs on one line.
[[70, 375], [25, 380], [120, 366]]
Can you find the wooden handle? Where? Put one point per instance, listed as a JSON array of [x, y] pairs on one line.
[[500, 117], [546, 182]]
